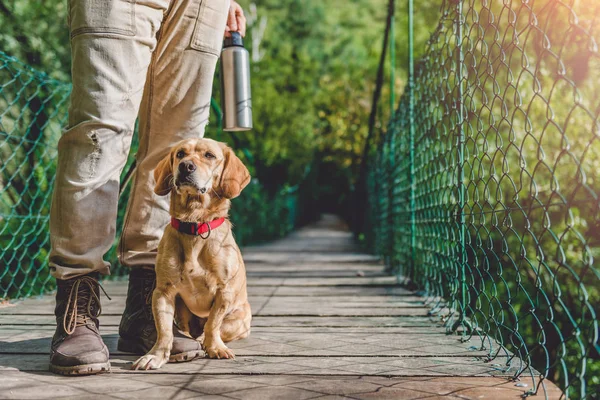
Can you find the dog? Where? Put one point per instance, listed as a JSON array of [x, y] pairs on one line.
[[200, 274]]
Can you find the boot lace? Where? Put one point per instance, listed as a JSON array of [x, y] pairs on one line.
[[80, 305]]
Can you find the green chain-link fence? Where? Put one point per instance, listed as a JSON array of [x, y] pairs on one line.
[[33, 113], [33, 109], [485, 186]]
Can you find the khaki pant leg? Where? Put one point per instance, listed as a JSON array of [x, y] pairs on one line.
[[175, 106], [112, 42]]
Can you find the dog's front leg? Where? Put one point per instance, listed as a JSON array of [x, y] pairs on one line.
[[212, 343], [163, 309]]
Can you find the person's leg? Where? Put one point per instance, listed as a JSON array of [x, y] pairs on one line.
[[175, 106], [112, 42]]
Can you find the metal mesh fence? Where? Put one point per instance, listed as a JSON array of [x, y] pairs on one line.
[[485, 186], [33, 113], [33, 108]]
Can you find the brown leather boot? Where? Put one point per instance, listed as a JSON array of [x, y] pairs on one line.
[[137, 332], [77, 347]]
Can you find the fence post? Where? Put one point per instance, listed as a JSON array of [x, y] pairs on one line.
[[460, 217], [411, 119], [391, 133], [392, 61]]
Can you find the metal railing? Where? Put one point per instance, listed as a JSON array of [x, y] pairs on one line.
[[485, 186]]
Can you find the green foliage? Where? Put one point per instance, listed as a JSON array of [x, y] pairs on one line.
[[36, 33], [316, 58], [258, 217]]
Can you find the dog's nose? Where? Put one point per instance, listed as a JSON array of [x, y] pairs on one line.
[[187, 167], [202, 190]]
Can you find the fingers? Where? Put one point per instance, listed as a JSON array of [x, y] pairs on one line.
[[236, 20], [240, 20], [231, 19]]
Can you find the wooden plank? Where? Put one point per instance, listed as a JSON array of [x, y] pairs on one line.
[[294, 267], [324, 281], [120, 288], [315, 274], [261, 306], [328, 366], [45, 305], [20, 385], [369, 322], [274, 308], [376, 281], [266, 342], [374, 301], [350, 301], [423, 329], [335, 291], [272, 257]]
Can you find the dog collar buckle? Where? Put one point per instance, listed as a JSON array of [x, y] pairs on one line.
[[208, 233]]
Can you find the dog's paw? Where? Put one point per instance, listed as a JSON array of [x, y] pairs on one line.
[[149, 361], [219, 352]]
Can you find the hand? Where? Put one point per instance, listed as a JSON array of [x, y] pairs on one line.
[[236, 21]]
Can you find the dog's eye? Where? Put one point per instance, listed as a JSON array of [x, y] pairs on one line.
[[209, 155], [180, 154]]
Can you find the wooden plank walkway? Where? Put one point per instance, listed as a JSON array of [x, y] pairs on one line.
[[328, 323]]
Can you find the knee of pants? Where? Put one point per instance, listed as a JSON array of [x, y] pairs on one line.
[[92, 151]]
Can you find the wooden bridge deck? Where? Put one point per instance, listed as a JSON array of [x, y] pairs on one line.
[[328, 323]]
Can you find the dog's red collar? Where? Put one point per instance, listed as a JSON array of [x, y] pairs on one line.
[[196, 229]]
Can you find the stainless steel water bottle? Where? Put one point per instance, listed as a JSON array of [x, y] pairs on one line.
[[236, 100]]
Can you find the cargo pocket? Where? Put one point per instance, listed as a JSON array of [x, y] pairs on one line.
[[102, 16], [210, 26]]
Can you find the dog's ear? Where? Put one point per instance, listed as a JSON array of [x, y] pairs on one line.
[[235, 175], [163, 176]]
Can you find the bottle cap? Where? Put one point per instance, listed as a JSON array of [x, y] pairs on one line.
[[234, 40]]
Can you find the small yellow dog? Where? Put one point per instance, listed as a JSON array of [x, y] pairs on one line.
[[200, 274]]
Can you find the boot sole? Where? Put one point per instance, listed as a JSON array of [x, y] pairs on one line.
[[131, 346], [79, 370]]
